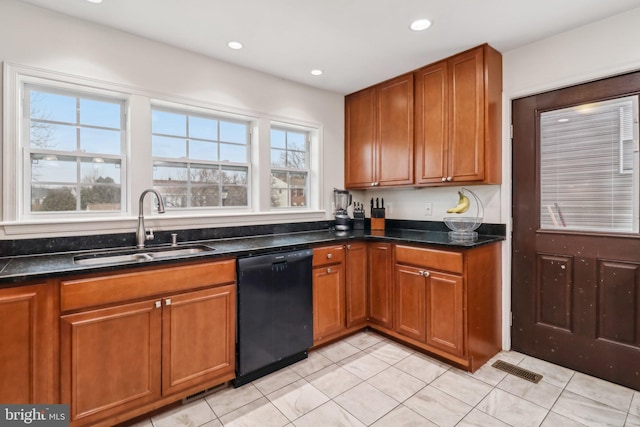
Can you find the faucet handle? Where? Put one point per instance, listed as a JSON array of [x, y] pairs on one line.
[[148, 234]]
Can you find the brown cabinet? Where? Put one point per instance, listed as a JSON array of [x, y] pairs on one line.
[[380, 284], [379, 135], [328, 292], [458, 119], [29, 350], [121, 358], [445, 311], [339, 290], [410, 302], [448, 302], [356, 284]]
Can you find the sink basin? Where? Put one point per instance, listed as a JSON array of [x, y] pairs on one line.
[[139, 255]]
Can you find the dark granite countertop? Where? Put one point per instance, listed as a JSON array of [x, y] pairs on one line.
[[16, 270]]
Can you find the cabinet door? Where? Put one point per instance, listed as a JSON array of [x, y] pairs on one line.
[[27, 355], [198, 338], [431, 122], [380, 284], [445, 312], [356, 271], [410, 296], [467, 116], [360, 139], [394, 107], [110, 360], [328, 301]]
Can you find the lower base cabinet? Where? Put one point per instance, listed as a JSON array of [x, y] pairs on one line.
[[448, 302], [29, 349], [339, 290], [129, 358]]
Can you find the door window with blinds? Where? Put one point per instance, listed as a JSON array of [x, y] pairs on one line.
[[589, 167]]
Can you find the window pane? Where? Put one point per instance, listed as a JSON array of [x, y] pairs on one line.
[[53, 198], [233, 132], [170, 174], [175, 196], [235, 176], [164, 146], [51, 168], [233, 153], [100, 113], [588, 175], [203, 150], [296, 159], [100, 197], [52, 107], [278, 138], [235, 196], [278, 158], [205, 196], [99, 171], [296, 141], [202, 128], [167, 123], [205, 174], [51, 136], [101, 141]]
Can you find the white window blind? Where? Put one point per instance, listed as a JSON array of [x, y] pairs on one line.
[[589, 167]]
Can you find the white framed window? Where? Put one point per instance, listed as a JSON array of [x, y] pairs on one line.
[[290, 149], [90, 148], [200, 160], [73, 144]]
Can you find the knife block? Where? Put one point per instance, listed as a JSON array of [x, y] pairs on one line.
[[377, 218]]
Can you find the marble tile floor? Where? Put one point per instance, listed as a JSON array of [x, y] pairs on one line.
[[368, 380]]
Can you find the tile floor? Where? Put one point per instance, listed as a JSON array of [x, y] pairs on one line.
[[368, 380]]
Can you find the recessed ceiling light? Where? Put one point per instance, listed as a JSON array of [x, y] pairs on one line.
[[563, 120], [317, 72], [95, 1], [420, 24], [235, 45]]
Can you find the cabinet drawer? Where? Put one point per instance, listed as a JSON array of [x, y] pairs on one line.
[[112, 288], [328, 255], [429, 258]]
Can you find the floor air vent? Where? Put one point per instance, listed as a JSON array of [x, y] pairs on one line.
[[517, 371]]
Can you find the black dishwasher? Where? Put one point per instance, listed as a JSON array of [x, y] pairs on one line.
[[275, 313]]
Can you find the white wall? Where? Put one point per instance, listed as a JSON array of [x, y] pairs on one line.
[[595, 51], [35, 37]]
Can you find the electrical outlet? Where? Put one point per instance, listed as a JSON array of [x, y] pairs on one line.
[[428, 209], [388, 207]]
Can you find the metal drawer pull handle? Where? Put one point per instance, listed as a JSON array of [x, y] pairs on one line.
[[328, 270], [329, 256], [423, 273], [158, 304], [167, 301]]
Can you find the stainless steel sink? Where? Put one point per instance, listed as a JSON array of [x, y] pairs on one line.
[[132, 255]]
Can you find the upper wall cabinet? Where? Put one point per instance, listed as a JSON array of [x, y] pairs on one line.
[[379, 135], [458, 119]]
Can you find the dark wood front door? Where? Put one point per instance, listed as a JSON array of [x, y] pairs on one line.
[[575, 287]]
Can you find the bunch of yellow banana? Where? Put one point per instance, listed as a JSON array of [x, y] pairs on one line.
[[462, 206]]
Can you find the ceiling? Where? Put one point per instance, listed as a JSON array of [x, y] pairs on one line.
[[355, 42]]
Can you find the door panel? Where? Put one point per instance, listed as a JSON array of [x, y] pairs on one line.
[[575, 294], [554, 289]]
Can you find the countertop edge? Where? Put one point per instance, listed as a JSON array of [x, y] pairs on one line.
[[24, 269]]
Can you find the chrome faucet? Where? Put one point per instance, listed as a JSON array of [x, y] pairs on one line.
[[141, 233]]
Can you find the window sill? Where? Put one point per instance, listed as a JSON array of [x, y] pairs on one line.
[[168, 221]]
